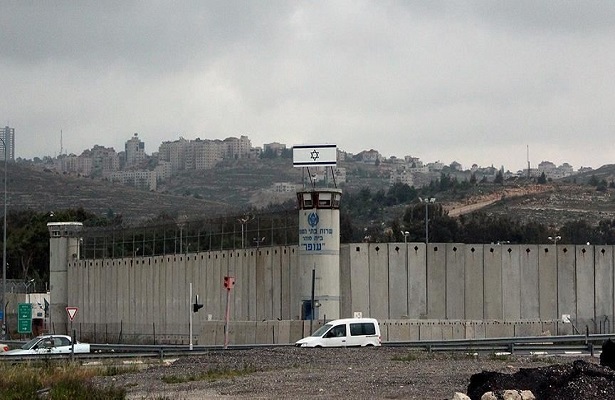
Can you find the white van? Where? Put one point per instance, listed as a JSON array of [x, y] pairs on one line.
[[346, 332]]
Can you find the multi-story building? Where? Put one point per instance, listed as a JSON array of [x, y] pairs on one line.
[[139, 178], [275, 148], [566, 169], [325, 174], [237, 148], [175, 153], [104, 160], [435, 166], [283, 187], [548, 168], [202, 154], [67, 163], [370, 156], [207, 153], [163, 171], [7, 134], [135, 151], [84, 165], [401, 175]]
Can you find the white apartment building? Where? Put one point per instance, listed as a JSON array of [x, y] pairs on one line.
[[401, 175], [546, 167], [139, 179], [283, 187], [553, 172]]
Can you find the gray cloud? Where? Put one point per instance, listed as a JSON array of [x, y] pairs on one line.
[[473, 82]]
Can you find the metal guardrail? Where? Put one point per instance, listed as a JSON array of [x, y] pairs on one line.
[[512, 345]]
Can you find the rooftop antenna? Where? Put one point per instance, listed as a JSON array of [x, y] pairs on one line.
[[61, 145]]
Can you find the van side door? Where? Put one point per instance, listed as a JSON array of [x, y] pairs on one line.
[[362, 334], [336, 337]]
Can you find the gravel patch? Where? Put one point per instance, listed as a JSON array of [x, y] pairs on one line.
[[301, 373]]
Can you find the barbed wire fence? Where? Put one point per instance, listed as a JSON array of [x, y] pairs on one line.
[[183, 235]]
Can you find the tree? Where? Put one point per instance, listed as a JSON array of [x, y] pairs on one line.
[[542, 179], [499, 177], [593, 180]]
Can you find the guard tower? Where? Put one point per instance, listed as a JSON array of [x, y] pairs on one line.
[[63, 248], [319, 235]]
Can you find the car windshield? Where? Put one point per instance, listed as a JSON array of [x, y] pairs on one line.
[[320, 331], [31, 343]]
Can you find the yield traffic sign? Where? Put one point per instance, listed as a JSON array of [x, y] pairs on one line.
[[71, 311]]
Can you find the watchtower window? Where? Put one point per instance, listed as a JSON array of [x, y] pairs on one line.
[[324, 200], [336, 200]]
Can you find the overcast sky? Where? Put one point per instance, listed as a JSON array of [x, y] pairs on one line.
[[466, 81]]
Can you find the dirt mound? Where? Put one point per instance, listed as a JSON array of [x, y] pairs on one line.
[[577, 380]]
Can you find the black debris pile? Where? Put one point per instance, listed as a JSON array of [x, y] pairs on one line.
[[607, 357], [576, 380]]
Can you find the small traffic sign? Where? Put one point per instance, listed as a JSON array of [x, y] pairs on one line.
[[71, 311], [24, 311], [24, 318], [24, 326]]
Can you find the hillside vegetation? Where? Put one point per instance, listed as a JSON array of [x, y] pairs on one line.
[[237, 186]]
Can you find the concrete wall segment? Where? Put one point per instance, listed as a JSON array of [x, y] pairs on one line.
[[436, 281], [511, 283], [585, 277], [455, 281], [547, 282], [530, 303], [345, 282], [276, 280], [397, 280], [474, 291], [360, 278], [603, 256], [492, 282], [566, 281], [285, 284], [379, 280], [417, 280]]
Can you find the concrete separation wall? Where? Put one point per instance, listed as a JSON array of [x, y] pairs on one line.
[[452, 290]]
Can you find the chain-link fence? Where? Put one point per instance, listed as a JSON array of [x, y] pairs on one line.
[[189, 236]]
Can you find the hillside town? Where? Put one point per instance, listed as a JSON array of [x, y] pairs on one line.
[[135, 167]]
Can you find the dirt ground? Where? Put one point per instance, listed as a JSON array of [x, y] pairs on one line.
[[301, 373]]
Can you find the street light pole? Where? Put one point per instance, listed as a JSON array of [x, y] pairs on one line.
[[427, 201], [405, 233], [27, 284], [554, 239], [6, 162], [243, 221]]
